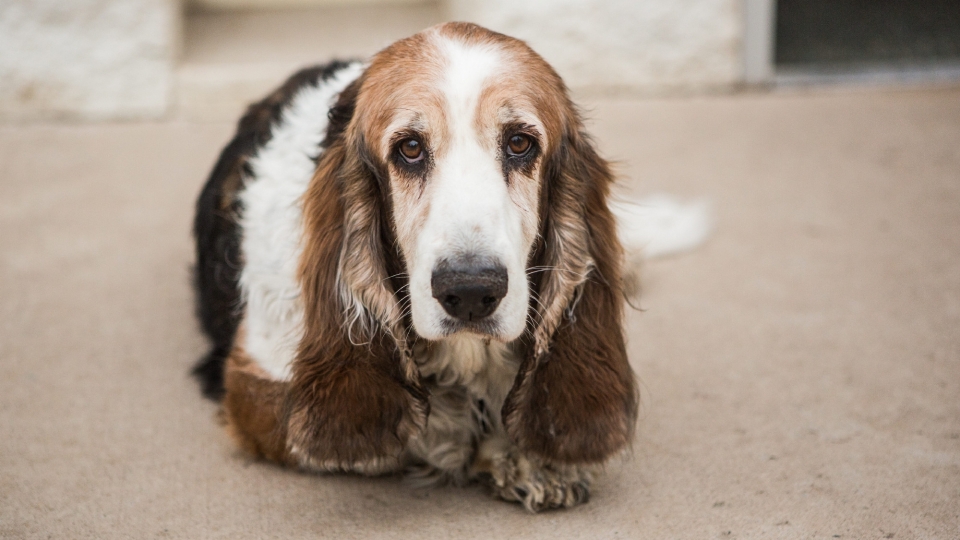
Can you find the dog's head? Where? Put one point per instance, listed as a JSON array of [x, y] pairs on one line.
[[457, 193], [457, 125]]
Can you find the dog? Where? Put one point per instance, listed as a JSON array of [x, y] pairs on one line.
[[410, 264]]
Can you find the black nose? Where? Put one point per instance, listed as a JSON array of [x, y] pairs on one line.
[[469, 292]]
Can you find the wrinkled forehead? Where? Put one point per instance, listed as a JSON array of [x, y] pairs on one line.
[[443, 81]]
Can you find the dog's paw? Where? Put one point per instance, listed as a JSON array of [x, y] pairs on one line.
[[537, 486]]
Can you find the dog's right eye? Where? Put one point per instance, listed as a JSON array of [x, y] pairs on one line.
[[518, 145], [411, 150]]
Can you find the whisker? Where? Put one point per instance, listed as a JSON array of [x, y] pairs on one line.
[[536, 269], [396, 275]]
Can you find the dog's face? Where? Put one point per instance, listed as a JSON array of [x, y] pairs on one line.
[[459, 128]]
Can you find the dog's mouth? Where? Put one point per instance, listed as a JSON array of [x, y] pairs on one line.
[[487, 327]]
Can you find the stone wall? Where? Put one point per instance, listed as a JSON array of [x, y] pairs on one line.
[[117, 59], [614, 46], [87, 59]]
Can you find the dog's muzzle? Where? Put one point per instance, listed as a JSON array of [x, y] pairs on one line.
[[469, 291]]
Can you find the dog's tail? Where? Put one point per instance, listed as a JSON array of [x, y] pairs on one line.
[[661, 225], [658, 226]]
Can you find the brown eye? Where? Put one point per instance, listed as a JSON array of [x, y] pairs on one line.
[[518, 145], [412, 150]]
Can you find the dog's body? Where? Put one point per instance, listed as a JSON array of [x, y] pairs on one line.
[[410, 265]]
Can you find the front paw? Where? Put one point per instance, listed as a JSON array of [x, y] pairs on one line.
[[538, 486], [349, 417]]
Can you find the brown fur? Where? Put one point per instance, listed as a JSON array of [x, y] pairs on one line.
[[575, 397], [350, 404], [252, 406]]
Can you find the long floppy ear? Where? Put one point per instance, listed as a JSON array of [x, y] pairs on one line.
[[355, 396], [575, 396]]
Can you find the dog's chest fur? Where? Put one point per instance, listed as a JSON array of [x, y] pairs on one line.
[[483, 367], [468, 378]]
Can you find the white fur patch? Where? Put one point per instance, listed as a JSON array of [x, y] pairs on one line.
[[471, 207], [272, 228]]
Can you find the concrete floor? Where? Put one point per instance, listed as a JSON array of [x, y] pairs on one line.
[[800, 373]]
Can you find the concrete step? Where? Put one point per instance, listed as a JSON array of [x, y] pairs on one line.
[[232, 58]]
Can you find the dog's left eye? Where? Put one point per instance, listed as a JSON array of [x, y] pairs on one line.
[[411, 150], [518, 145]]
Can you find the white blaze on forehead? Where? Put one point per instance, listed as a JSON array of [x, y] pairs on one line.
[[468, 189], [468, 70]]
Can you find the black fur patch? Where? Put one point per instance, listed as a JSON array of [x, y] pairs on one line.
[[217, 230]]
